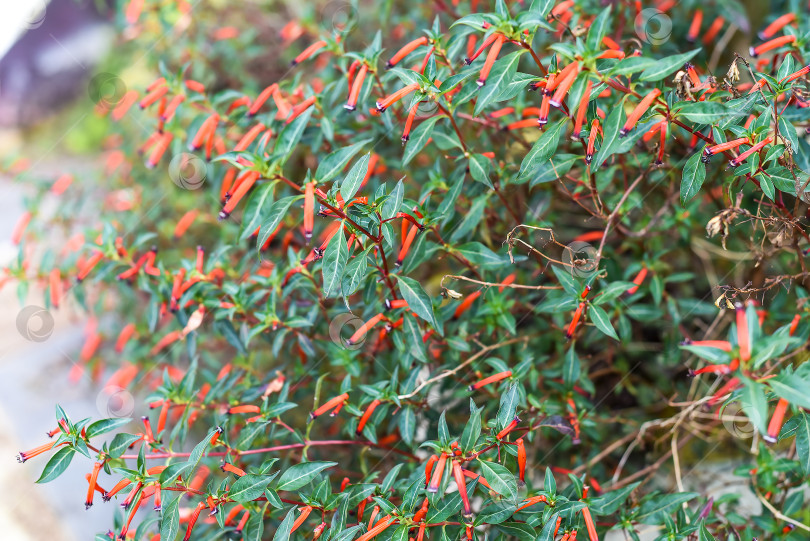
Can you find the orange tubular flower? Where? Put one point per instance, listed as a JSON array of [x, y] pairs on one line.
[[556, 79], [133, 11], [491, 379], [592, 140], [487, 42], [492, 56], [98, 487], [395, 97], [91, 488], [195, 86], [159, 150], [262, 98], [61, 184], [300, 108], [123, 337], [506, 111], [465, 304], [135, 506], [429, 467], [438, 471], [367, 415], [647, 137], [520, 124], [305, 511], [744, 156], [55, 285], [244, 101], [564, 85], [794, 324], [611, 44], [582, 110], [586, 514], [510, 279], [772, 44], [20, 227], [478, 476], [661, 144], [640, 109], [545, 105], [119, 486], [36, 451], [612, 53], [364, 328], [778, 24], [638, 280], [561, 8], [164, 412], [208, 127], [397, 303], [723, 147], [407, 49], [420, 534], [232, 514], [245, 408], [124, 105], [507, 429], [283, 107], [384, 523], [153, 96], [714, 29], [308, 52], [743, 340], [353, 67], [458, 475], [795, 75], [723, 345], [329, 405], [406, 245], [406, 133], [247, 182], [528, 502], [171, 108], [249, 137], [575, 321], [185, 222], [775, 426], [193, 520], [309, 209], [374, 513], [694, 28], [357, 85], [242, 522], [719, 369], [88, 266], [521, 459]]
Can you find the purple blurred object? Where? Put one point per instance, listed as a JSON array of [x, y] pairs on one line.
[[50, 63]]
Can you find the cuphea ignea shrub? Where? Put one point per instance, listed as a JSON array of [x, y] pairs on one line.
[[409, 270]]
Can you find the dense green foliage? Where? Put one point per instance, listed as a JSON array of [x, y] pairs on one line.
[[453, 241]]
